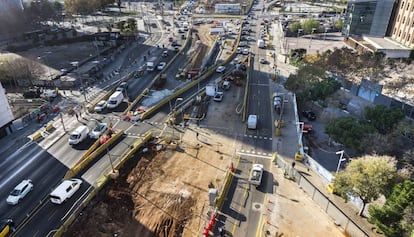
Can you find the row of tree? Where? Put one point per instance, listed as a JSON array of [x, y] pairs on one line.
[[368, 178]]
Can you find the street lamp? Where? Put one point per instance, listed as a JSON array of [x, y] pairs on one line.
[[297, 38], [76, 64], [300, 129], [310, 41], [341, 158], [110, 160]]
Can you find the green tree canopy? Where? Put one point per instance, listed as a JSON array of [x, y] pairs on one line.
[[295, 26], [306, 77], [382, 118], [348, 131], [311, 26], [366, 177], [324, 88], [395, 218]]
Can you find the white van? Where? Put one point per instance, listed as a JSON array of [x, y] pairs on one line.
[[115, 99], [78, 135], [65, 190], [252, 121]]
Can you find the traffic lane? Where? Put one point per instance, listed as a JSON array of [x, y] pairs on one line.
[[30, 169], [50, 216], [259, 105]]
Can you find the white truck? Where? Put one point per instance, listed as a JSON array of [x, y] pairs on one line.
[[256, 174], [252, 121], [260, 43], [78, 135], [115, 99], [151, 64]]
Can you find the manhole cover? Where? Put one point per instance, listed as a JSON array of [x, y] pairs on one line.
[[257, 206]]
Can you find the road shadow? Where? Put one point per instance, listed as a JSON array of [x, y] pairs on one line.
[[267, 183], [227, 209]]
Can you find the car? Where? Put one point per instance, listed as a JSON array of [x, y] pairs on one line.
[[19, 192], [122, 87], [100, 106], [310, 115], [176, 49], [170, 39], [165, 53], [161, 66], [226, 85], [218, 96], [221, 69], [238, 50], [256, 174], [6, 227], [174, 43], [245, 51], [263, 61], [242, 44], [98, 130]]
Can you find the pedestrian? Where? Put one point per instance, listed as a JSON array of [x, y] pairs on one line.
[[77, 117], [197, 135]]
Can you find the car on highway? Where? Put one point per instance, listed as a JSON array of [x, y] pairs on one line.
[[310, 115], [65, 190], [161, 66], [122, 87], [100, 106], [221, 69], [19, 192], [218, 96], [98, 130], [6, 227]]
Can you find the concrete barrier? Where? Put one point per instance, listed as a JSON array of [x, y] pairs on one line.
[[85, 161], [246, 92], [49, 127], [37, 136], [223, 194]]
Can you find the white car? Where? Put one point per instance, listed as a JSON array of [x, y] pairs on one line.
[[100, 106], [98, 130], [256, 174], [221, 69], [238, 50], [19, 192], [218, 96], [245, 51], [161, 66]]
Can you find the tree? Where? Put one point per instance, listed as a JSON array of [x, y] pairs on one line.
[[324, 89], [295, 26], [132, 24], [382, 118], [311, 26], [338, 24], [366, 177], [348, 131], [306, 77], [396, 217]]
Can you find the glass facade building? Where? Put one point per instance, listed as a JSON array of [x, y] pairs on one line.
[[367, 17]]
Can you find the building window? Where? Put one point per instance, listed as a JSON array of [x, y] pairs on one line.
[[398, 18], [408, 37], [399, 33], [403, 20], [403, 35], [395, 30], [408, 6], [402, 5]]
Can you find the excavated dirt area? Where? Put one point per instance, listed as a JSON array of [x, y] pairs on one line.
[[163, 194]]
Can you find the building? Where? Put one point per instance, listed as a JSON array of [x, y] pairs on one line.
[[227, 8], [367, 17], [6, 115], [402, 30], [8, 6]]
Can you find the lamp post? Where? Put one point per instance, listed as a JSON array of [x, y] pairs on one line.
[[310, 41], [76, 64], [300, 129], [297, 38], [110, 160], [341, 158]]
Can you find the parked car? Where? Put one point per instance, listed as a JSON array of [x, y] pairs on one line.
[[165, 53], [310, 115], [221, 69], [19, 192], [98, 130], [245, 51], [161, 66], [100, 106]]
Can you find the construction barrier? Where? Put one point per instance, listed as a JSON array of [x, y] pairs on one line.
[[49, 127], [88, 159], [246, 92], [37, 136], [101, 182], [223, 194]]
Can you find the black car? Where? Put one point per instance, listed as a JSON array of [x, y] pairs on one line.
[[310, 115]]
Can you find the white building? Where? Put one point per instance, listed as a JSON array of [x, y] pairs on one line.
[[6, 115], [228, 8]]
